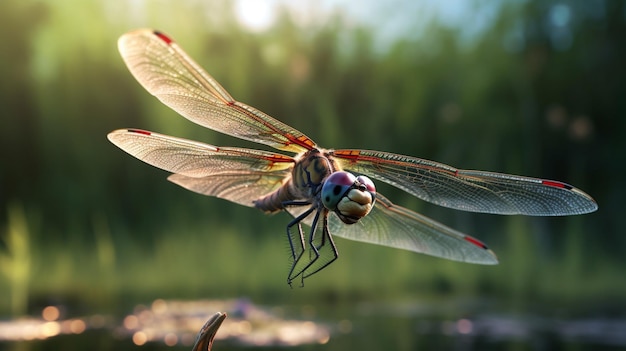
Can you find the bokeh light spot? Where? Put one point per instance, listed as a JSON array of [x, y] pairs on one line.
[[50, 313]]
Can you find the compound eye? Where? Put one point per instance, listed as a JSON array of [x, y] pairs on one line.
[[365, 181], [335, 187]]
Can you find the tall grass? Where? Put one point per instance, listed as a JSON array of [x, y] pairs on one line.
[[15, 263]]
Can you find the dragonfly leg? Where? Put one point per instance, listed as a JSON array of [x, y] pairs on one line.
[[322, 250], [297, 220], [301, 265], [296, 243], [313, 249], [316, 265]]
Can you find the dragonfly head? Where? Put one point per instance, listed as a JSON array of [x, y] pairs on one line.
[[349, 196]]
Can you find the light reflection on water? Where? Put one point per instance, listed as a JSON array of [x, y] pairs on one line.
[[172, 323], [48, 325], [175, 322], [498, 328]]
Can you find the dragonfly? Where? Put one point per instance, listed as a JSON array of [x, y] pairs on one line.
[[328, 192]]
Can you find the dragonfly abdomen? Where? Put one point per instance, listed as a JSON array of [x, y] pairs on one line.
[[274, 201]]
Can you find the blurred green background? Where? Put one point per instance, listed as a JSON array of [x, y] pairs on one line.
[[530, 87]]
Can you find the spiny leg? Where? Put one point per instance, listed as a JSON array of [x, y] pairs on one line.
[[297, 243], [296, 246], [317, 264], [298, 220], [301, 265]]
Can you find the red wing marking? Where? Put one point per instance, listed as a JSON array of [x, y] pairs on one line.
[[475, 242], [556, 184], [139, 131], [163, 37]]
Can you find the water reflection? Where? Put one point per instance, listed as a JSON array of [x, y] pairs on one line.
[[49, 325], [172, 323], [177, 322], [505, 328]]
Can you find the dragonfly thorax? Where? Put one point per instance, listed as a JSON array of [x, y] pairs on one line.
[[310, 171]]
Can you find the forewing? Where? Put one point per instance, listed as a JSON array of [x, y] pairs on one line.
[[168, 73], [401, 228], [242, 188], [468, 190], [195, 159]]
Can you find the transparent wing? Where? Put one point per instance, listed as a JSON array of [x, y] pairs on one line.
[[401, 228], [168, 73], [242, 188], [196, 159], [468, 190], [235, 174]]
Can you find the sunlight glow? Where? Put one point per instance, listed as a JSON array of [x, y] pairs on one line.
[[256, 15]]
